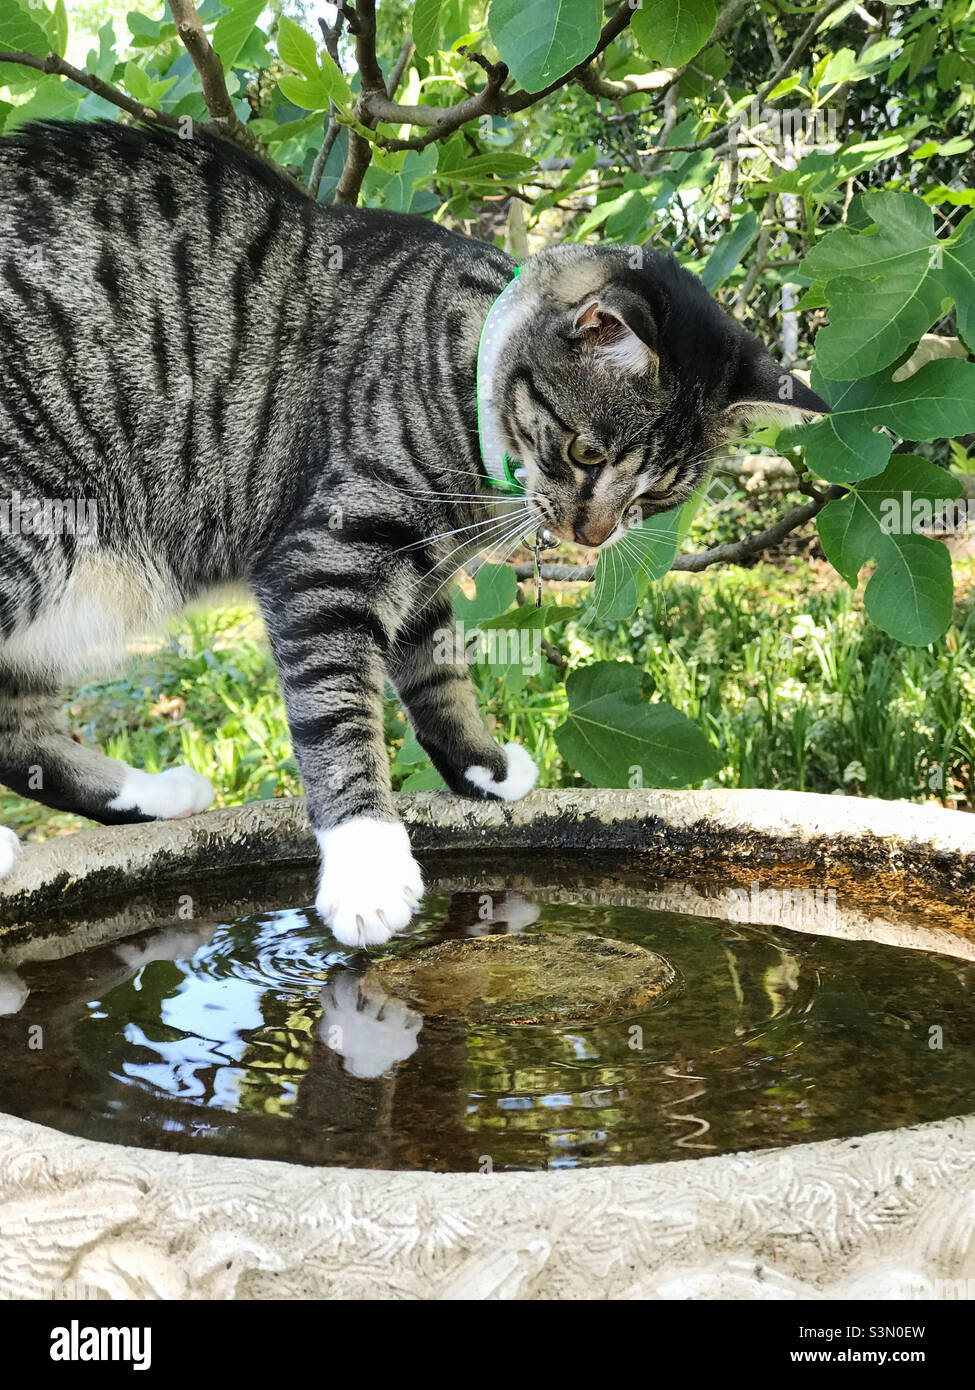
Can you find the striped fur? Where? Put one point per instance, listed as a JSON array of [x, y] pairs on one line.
[[246, 386]]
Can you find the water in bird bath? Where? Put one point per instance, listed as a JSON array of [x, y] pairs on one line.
[[255, 1034]]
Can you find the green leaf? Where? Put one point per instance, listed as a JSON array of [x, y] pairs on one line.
[[958, 263], [580, 168], [103, 62], [814, 298], [910, 594], [541, 41], [52, 100], [424, 776], [629, 222], [483, 168], [886, 288], [625, 570], [338, 89], [273, 134], [19, 34], [410, 753], [670, 32], [952, 71], [729, 249], [136, 82], [496, 586], [255, 53], [395, 190], [937, 402], [426, 26], [58, 29], [528, 616], [234, 29], [922, 50], [139, 85], [821, 171], [149, 31], [297, 48], [788, 84], [845, 66], [615, 738], [599, 215], [321, 81], [310, 94], [425, 779]]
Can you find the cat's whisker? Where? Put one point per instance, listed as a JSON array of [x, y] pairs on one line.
[[514, 537], [518, 525], [434, 496], [488, 527], [503, 538], [600, 583], [442, 535], [450, 496]]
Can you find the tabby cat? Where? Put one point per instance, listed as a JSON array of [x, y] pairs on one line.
[[238, 384]]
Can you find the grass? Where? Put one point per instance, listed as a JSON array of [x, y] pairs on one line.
[[780, 666], [798, 689]]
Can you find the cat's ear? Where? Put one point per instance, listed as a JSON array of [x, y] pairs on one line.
[[619, 326], [764, 391]]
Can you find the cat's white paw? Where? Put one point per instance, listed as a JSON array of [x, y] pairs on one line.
[[371, 884], [170, 795], [9, 850], [521, 778], [365, 1026]]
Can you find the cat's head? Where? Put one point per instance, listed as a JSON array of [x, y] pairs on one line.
[[619, 379]]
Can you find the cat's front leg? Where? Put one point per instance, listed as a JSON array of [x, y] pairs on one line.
[[329, 645], [434, 683]]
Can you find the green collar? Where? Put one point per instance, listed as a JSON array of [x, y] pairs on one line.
[[499, 470]]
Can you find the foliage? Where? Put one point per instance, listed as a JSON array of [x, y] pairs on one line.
[[813, 163]]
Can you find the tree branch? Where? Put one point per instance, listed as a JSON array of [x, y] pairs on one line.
[[599, 86], [361, 19], [655, 81], [331, 33], [611, 30], [399, 67], [53, 64], [727, 133], [734, 552], [212, 80], [440, 122], [332, 128]]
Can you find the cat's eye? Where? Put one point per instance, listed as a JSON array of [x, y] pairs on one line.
[[663, 484], [585, 456]]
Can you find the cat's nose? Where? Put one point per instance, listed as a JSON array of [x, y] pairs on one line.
[[591, 534]]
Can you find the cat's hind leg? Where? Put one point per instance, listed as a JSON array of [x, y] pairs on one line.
[[40, 761]]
